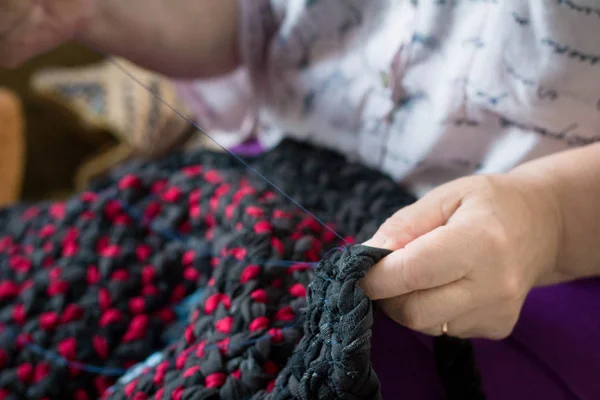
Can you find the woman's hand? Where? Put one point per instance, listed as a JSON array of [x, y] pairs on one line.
[[31, 27], [467, 254]]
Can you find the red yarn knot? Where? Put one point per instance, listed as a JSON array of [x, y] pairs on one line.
[[191, 371], [137, 305], [111, 251], [58, 210], [143, 252], [158, 186], [109, 317], [177, 393], [137, 328], [67, 348], [58, 287], [18, 314], [72, 312], [212, 177], [191, 274], [285, 314], [262, 227], [192, 171], [148, 274], [254, 211], [89, 197], [101, 346], [224, 325], [189, 335], [8, 290], [130, 182], [215, 380], [278, 245], [160, 372], [298, 290], [171, 195], [223, 345], [104, 299], [276, 335], [25, 372], [48, 320], [249, 273], [40, 372], [259, 295], [129, 389], [92, 275], [213, 301], [121, 275], [241, 193], [47, 231], [259, 323], [19, 263]]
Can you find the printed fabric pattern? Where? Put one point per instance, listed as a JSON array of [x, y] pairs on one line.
[[93, 286]]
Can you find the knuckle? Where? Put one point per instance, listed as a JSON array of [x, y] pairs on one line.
[[497, 234], [399, 226], [510, 289], [483, 184]]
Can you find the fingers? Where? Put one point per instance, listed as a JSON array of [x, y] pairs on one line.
[[426, 311], [415, 220], [485, 323], [435, 259], [456, 305]]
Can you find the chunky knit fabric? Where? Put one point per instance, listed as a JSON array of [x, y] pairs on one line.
[[93, 286]]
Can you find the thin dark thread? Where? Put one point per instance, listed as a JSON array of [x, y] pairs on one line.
[[238, 158]]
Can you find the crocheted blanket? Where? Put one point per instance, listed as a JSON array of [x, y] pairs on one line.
[[198, 269]]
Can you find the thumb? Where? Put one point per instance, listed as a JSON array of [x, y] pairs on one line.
[[413, 221]]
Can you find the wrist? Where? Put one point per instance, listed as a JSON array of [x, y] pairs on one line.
[[542, 195], [576, 251]]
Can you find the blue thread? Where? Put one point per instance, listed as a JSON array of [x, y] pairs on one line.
[[238, 158], [59, 360]]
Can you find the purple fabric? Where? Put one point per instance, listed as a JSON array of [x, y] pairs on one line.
[[249, 148], [553, 353]]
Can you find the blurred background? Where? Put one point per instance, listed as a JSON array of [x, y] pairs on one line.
[[70, 116], [56, 142]]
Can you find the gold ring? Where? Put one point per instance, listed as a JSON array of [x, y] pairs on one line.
[[445, 328]]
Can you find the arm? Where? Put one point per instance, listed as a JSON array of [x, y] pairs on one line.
[[181, 38], [574, 179], [178, 37]]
